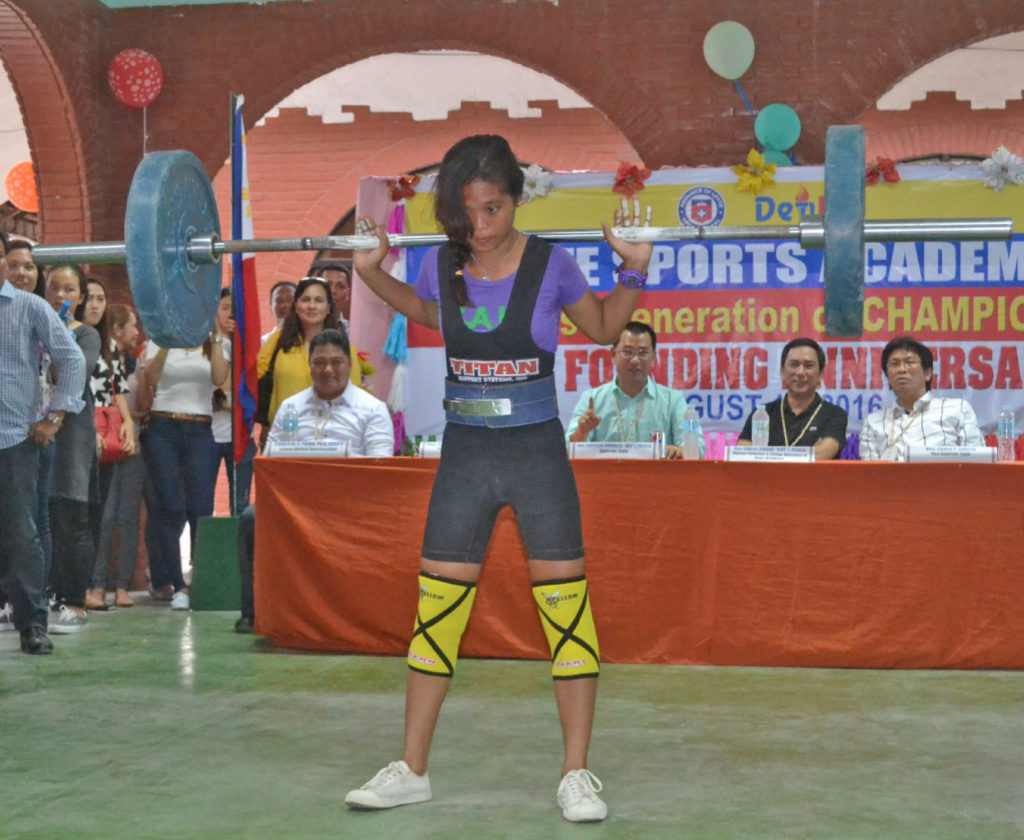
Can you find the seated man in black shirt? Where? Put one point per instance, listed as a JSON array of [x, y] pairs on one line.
[[800, 417]]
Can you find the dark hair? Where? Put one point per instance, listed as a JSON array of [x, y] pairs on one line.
[[291, 329], [638, 328], [225, 292], [3, 241], [804, 342], [482, 157], [74, 269], [334, 267], [103, 326], [338, 337], [277, 286], [17, 244], [911, 345]]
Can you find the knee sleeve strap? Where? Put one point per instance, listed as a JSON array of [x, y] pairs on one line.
[[569, 626], [440, 622]]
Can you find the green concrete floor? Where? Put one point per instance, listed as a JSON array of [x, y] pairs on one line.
[[153, 724]]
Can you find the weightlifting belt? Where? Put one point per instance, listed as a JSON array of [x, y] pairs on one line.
[[500, 405]]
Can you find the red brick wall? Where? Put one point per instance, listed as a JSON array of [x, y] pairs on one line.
[[639, 62], [55, 141], [941, 124]]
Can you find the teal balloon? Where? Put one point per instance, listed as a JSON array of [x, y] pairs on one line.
[[778, 158], [777, 127], [729, 49]]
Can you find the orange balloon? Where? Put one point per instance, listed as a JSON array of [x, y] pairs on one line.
[[20, 184]]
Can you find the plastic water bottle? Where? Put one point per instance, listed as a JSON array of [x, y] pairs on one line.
[[290, 422], [1007, 434], [691, 434], [759, 427]]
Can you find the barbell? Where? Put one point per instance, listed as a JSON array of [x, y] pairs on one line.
[[172, 246]]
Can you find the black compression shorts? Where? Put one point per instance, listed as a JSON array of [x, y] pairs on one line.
[[481, 471]]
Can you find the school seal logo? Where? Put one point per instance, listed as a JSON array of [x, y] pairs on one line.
[[701, 207]]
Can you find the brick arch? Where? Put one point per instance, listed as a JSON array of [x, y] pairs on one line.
[[529, 139], [942, 124], [295, 194], [51, 127], [638, 61], [601, 84], [941, 49]]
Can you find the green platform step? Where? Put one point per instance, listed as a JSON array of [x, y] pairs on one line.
[[215, 583]]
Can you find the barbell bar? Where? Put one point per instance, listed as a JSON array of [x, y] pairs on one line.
[[172, 244], [810, 232]]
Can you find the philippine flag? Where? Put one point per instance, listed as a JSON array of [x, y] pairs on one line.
[[246, 343]]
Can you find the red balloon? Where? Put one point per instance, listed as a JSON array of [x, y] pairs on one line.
[[135, 77], [20, 184]]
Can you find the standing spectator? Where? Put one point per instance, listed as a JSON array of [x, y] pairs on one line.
[[74, 470], [26, 323], [120, 512], [22, 272], [339, 279], [181, 456], [240, 474], [24, 275], [107, 384], [287, 349], [282, 296]]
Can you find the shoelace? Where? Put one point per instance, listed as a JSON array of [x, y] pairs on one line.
[[393, 771], [583, 783]]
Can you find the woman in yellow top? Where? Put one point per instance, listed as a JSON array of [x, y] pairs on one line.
[[312, 312]]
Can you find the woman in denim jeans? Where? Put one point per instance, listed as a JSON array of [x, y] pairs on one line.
[[180, 454]]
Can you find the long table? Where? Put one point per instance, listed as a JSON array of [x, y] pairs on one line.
[[833, 564]]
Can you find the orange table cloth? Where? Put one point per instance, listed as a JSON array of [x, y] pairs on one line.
[[834, 564]]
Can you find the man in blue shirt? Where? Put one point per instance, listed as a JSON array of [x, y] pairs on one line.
[[28, 325], [633, 405]]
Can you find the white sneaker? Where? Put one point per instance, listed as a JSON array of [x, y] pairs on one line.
[[6, 618], [395, 785], [578, 799], [180, 600], [66, 620]]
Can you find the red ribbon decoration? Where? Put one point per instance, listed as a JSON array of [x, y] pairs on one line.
[[403, 187], [630, 179], [882, 168]]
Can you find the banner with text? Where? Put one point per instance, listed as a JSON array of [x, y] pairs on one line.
[[723, 310]]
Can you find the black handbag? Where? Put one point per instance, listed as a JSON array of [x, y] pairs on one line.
[[264, 390]]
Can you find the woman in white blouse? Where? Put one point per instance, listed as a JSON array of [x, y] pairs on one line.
[[181, 455]]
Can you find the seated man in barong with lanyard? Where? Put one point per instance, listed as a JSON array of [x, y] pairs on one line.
[[333, 409], [916, 418], [800, 417]]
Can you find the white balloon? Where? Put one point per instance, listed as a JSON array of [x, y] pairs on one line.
[[729, 49]]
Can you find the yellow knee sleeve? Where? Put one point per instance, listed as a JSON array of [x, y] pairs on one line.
[[440, 622], [569, 626]]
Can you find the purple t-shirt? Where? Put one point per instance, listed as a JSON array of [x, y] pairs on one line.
[[563, 285]]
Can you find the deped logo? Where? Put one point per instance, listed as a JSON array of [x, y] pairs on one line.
[[803, 204]]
